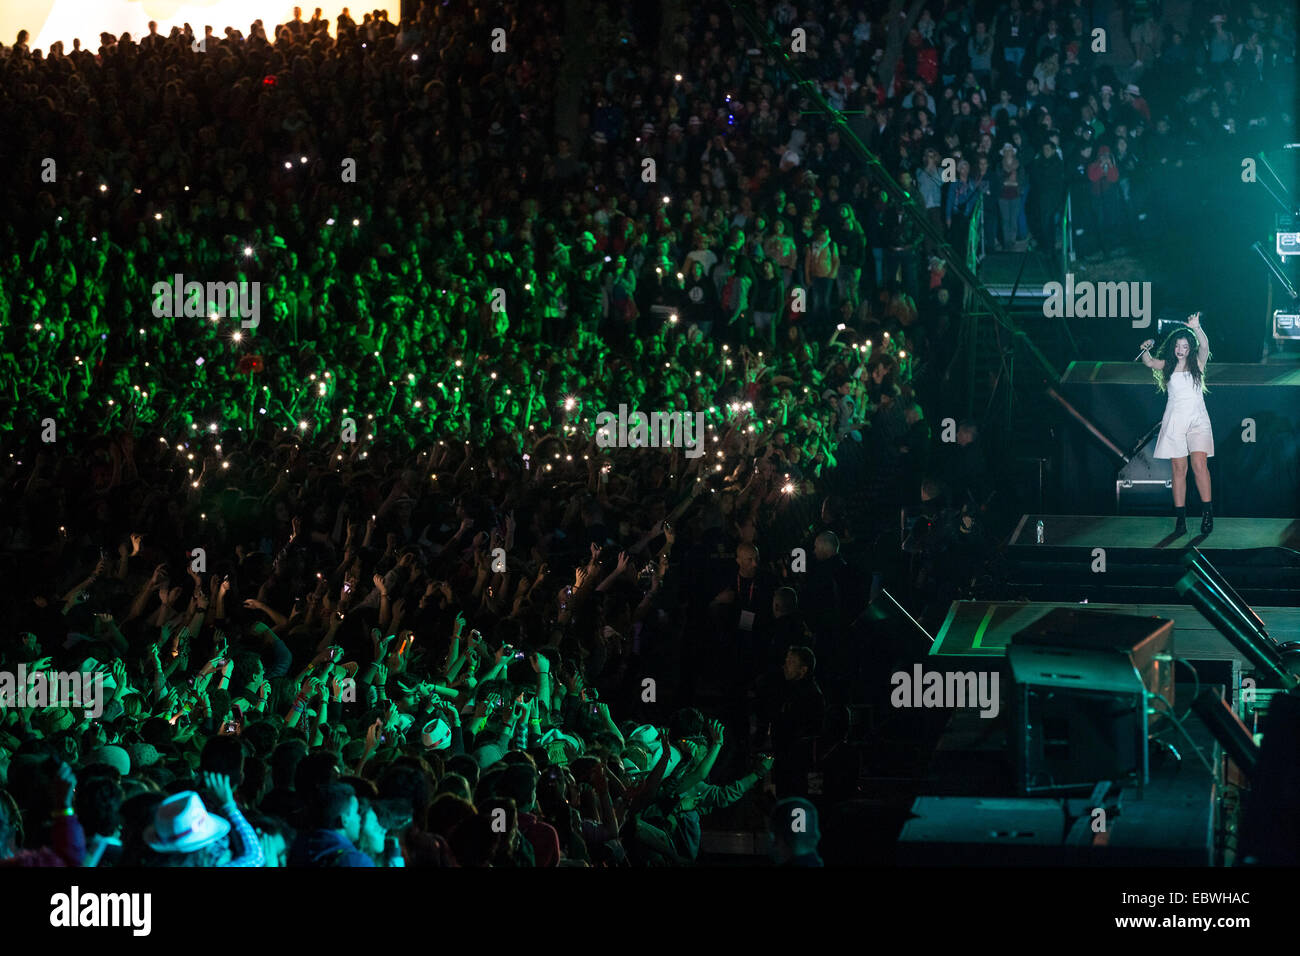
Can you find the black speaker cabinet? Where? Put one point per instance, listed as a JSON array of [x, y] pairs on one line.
[[984, 831], [1079, 717], [1146, 641]]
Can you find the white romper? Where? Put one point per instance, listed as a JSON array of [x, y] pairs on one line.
[[1186, 425]]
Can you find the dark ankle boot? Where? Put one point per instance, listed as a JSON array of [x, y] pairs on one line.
[[1207, 520], [1180, 525]]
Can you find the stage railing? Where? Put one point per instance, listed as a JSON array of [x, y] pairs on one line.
[[1067, 236], [975, 236]]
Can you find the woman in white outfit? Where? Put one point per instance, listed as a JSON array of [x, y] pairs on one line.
[[1185, 430]]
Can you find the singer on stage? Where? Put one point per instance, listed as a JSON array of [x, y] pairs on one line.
[[1185, 430]]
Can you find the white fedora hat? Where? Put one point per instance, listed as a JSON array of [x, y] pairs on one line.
[[182, 824]]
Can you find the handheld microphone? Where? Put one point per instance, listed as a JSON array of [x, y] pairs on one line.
[[1138, 357]]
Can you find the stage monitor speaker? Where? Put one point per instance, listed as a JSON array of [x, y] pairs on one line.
[[984, 831], [1079, 717], [1147, 643], [1082, 680]]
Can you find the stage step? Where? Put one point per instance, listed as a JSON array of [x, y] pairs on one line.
[[1134, 559]]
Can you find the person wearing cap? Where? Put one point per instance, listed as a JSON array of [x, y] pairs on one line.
[[648, 761], [442, 733], [184, 833], [686, 797], [114, 756], [648, 741], [1133, 99], [1220, 44], [1104, 104], [793, 833], [143, 755]]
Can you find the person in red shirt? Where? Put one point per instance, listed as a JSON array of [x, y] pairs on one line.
[[520, 783], [1133, 98], [1103, 179]]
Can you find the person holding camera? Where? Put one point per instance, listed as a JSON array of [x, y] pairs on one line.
[[1103, 180]]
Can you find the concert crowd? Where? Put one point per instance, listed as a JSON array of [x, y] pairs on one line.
[[360, 578]]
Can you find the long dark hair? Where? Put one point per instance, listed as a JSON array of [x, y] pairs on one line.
[[1166, 353]]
